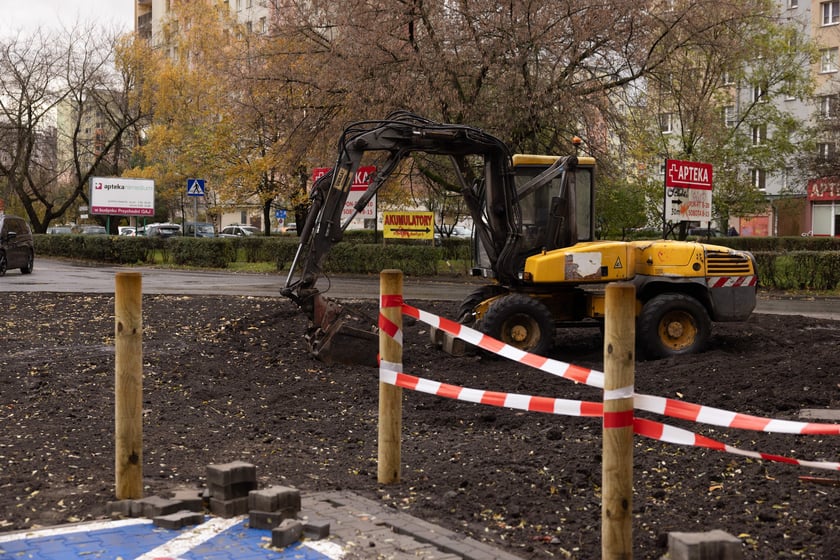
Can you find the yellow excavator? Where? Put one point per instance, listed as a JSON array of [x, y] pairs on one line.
[[533, 241]]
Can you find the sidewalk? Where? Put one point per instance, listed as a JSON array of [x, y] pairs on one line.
[[360, 529]]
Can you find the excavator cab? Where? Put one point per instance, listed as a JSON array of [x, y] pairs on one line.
[[556, 201]]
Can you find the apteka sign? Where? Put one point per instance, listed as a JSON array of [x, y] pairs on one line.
[[688, 174], [118, 196], [688, 191]]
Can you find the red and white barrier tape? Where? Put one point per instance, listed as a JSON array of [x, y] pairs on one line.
[[550, 405], [718, 417], [388, 373], [671, 434], [660, 405], [554, 367]]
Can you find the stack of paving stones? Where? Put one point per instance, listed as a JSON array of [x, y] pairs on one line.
[[231, 491], [228, 486]]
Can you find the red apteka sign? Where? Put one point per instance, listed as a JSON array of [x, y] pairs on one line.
[[824, 189], [688, 174]]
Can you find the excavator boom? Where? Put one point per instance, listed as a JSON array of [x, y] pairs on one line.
[[491, 201]]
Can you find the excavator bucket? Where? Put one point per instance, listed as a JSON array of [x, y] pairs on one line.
[[341, 336]]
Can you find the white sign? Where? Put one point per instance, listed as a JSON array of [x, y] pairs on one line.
[[688, 205], [688, 191], [118, 196]]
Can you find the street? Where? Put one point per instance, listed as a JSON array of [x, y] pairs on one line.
[[53, 275]]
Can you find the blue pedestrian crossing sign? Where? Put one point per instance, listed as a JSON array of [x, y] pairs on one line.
[[195, 187]]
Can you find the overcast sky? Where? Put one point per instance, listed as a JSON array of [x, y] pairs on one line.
[[28, 15]]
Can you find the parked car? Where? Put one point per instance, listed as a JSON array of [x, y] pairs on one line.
[[129, 231], [199, 229], [17, 247], [162, 230], [456, 232], [705, 232], [56, 230], [90, 230], [238, 230]]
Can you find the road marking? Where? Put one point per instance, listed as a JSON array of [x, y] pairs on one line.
[[68, 529], [188, 540]]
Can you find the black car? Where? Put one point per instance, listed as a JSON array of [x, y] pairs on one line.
[[17, 247]]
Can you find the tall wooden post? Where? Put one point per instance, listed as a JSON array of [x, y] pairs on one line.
[[128, 385], [619, 379], [390, 396]]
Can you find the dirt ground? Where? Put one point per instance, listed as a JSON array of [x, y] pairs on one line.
[[228, 378]]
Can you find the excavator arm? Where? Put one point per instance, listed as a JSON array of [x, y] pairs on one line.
[[492, 200]]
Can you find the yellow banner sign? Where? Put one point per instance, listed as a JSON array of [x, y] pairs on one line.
[[408, 225]]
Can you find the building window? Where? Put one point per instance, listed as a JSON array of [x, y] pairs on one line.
[[263, 25], [825, 150], [830, 12], [728, 78], [828, 60], [828, 106], [793, 3], [729, 117], [666, 123], [757, 93], [759, 134], [759, 179]]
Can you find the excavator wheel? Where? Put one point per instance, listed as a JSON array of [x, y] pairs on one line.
[[466, 311], [672, 325], [521, 321]]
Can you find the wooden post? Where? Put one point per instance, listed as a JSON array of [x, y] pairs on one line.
[[128, 385], [390, 396], [619, 379]]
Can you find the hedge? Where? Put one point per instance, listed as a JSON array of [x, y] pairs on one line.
[[786, 263]]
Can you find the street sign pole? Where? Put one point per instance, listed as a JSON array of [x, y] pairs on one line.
[[195, 189]]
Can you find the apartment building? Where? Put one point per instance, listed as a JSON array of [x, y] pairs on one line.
[[153, 19], [821, 19], [151, 14]]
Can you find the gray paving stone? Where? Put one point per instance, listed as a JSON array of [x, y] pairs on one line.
[[274, 498], [190, 499], [378, 532], [709, 545], [229, 508], [316, 529], [235, 472], [178, 520], [288, 532], [153, 506]]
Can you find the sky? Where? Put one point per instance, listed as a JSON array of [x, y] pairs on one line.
[[29, 15]]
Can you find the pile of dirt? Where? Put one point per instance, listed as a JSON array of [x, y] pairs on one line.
[[229, 378]]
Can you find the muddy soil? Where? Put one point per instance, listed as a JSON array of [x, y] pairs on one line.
[[228, 378]]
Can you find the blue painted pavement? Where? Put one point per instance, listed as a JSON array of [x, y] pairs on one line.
[[215, 539]]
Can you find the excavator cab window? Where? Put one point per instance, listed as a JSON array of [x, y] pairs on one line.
[[546, 211], [585, 199]]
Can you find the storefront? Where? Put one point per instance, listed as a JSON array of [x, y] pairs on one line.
[[824, 198]]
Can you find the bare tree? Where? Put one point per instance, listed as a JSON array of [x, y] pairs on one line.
[[534, 72], [61, 94]]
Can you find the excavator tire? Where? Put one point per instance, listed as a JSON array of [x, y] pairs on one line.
[[521, 321], [466, 309], [672, 325]]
